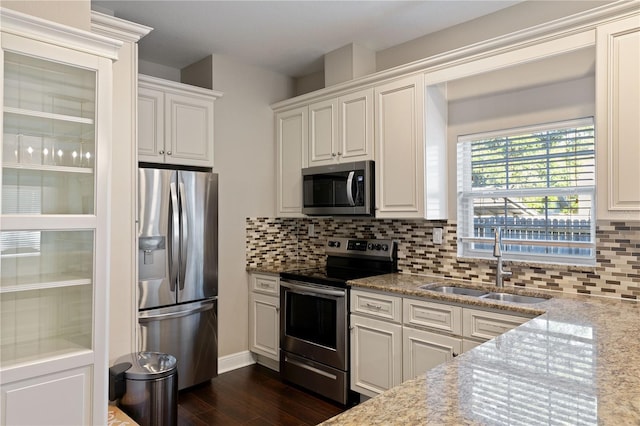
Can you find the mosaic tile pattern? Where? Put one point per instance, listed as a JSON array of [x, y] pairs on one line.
[[616, 274]]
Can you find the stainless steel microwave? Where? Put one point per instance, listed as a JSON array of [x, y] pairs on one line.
[[345, 189]]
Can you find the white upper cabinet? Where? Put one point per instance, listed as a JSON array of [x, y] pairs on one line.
[[618, 119], [54, 243], [341, 129], [175, 122], [291, 144], [355, 118], [323, 133], [399, 142]]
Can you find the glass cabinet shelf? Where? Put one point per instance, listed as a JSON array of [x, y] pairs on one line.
[[48, 115], [41, 282], [46, 168], [37, 350]]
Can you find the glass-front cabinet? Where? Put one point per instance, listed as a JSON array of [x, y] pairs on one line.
[[56, 107]]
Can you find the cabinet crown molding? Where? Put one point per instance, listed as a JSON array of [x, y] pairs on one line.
[[21, 24], [120, 29], [173, 86], [555, 29]]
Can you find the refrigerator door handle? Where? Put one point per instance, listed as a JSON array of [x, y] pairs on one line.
[[184, 235], [149, 316], [174, 231]]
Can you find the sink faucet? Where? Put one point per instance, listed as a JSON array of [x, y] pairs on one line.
[[497, 252]]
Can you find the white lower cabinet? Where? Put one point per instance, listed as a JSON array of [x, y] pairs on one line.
[[423, 350], [62, 398], [394, 339], [376, 355], [264, 318]]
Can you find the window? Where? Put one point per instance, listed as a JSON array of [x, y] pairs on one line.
[[535, 184]]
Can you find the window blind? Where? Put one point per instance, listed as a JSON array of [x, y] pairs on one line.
[[20, 200], [537, 184]]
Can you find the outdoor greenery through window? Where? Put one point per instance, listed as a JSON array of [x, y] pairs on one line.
[[537, 185]]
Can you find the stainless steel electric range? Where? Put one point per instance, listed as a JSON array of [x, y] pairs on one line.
[[314, 314]]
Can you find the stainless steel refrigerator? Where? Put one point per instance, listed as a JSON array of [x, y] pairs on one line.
[[178, 269]]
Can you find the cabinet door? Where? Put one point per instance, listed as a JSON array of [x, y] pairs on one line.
[[323, 133], [400, 148], [422, 350], [355, 141], [291, 139], [376, 355], [56, 109], [264, 325], [150, 125], [61, 399], [617, 112], [188, 130]]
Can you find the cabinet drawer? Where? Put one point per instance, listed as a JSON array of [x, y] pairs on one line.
[[376, 304], [433, 315], [267, 284], [487, 325]]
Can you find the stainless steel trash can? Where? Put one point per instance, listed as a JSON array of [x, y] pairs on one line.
[[151, 388]]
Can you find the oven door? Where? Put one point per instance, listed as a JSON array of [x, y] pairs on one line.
[[313, 322]]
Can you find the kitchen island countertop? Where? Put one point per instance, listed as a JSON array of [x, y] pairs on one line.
[[578, 362]]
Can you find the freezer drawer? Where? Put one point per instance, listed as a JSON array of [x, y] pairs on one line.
[[188, 332]]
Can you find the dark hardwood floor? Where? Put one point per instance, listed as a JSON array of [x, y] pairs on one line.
[[252, 395]]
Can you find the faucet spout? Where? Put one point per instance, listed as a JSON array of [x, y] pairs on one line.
[[497, 243], [497, 253]]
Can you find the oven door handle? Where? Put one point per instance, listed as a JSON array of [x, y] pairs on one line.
[[303, 288]]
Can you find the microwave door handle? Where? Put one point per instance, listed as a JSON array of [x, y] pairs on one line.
[[350, 188]]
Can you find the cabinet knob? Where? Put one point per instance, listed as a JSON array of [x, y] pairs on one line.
[[339, 154], [454, 354], [333, 154], [168, 152], [161, 152]]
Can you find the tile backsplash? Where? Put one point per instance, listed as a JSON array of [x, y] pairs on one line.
[[616, 273]]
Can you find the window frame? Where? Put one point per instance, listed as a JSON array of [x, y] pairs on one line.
[[472, 246]]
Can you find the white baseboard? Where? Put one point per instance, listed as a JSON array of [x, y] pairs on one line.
[[235, 361]]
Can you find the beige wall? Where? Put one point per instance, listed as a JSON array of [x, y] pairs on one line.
[[75, 13], [520, 16], [245, 158], [158, 70], [545, 104]]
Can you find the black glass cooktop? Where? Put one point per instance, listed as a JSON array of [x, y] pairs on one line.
[[336, 276]]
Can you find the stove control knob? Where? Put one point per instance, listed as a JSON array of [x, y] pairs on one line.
[[385, 247], [370, 246], [378, 246], [331, 244], [337, 244]]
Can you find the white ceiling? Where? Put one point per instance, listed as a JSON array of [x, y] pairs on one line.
[[290, 37]]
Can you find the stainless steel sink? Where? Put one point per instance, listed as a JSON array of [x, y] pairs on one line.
[[514, 298], [454, 290]]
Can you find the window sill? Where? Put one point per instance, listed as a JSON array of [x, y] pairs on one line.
[[533, 265]]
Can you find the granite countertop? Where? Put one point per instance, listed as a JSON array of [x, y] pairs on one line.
[[578, 362]]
